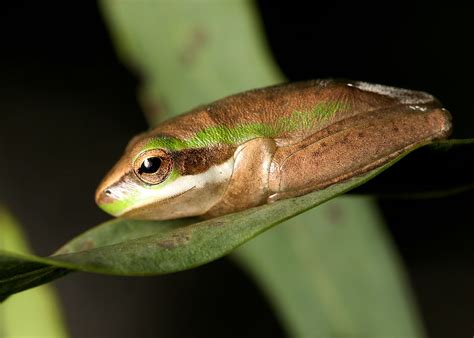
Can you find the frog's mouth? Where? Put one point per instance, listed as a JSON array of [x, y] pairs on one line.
[[131, 209], [183, 192]]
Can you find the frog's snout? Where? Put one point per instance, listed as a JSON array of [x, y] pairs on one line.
[[108, 201], [112, 192], [108, 190], [103, 195]]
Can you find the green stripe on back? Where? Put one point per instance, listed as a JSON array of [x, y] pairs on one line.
[[220, 134]]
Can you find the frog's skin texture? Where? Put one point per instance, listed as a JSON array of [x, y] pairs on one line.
[[267, 144]]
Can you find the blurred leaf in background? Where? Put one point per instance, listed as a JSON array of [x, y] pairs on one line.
[[325, 274], [36, 312]]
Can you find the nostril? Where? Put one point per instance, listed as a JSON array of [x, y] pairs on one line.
[[104, 196]]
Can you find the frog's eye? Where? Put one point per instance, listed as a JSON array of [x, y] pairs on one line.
[[150, 165], [153, 166]]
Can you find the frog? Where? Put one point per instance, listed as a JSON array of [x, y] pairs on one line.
[[268, 144]]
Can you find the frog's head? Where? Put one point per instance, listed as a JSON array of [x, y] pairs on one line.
[[160, 177]]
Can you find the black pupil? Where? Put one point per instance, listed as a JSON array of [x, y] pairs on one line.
[[150, 165]]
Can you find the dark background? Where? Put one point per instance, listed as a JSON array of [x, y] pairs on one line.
[[68, 108]]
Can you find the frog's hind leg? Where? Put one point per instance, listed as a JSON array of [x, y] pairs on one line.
[[352, 147]]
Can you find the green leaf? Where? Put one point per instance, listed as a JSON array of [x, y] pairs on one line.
[[125, 247], [34, 313]]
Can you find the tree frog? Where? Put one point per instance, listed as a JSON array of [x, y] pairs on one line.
[[267, 144]]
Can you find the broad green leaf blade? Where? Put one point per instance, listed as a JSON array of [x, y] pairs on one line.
[[125, 247], [34, 313], [443, 168], [331, 272]]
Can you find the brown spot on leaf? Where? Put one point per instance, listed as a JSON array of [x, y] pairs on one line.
[[218, 223], [87, 245], [198, 39], [335, 214], [155, 109], [177, 239]]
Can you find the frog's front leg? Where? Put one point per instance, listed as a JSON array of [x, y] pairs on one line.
[[248, 185], [353, 147]]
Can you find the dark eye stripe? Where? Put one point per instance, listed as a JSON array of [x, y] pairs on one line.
[[195, 161]]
